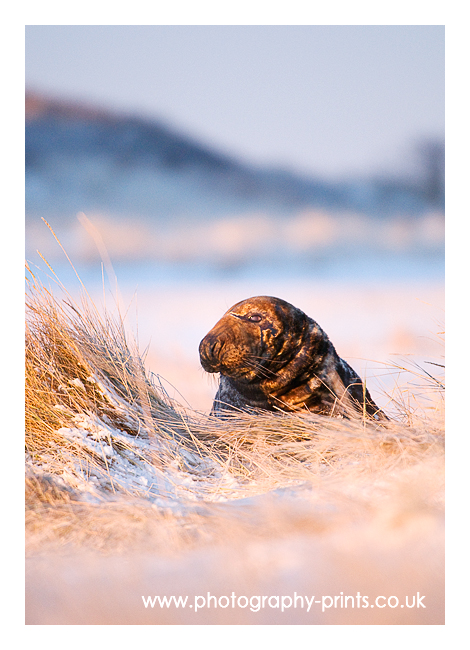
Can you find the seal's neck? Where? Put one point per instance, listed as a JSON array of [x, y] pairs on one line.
[[252, 394]]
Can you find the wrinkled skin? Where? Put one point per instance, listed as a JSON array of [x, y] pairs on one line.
[[272, 356]]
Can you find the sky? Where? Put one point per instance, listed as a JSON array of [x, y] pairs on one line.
[[329, 101]]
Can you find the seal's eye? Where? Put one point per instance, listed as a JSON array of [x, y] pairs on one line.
[[254, 318]]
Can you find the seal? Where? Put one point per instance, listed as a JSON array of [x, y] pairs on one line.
[[272, 356]]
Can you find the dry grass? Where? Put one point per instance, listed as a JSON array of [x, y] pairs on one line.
[[113, 464]]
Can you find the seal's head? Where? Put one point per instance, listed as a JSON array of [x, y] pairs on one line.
[[254, 339]]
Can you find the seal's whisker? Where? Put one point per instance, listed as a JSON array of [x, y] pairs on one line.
[[265, 372], [271, 361]]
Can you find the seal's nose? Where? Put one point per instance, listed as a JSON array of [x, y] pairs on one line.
[[209, 352]]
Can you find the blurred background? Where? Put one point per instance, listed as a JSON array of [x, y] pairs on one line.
[[201, 165]]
